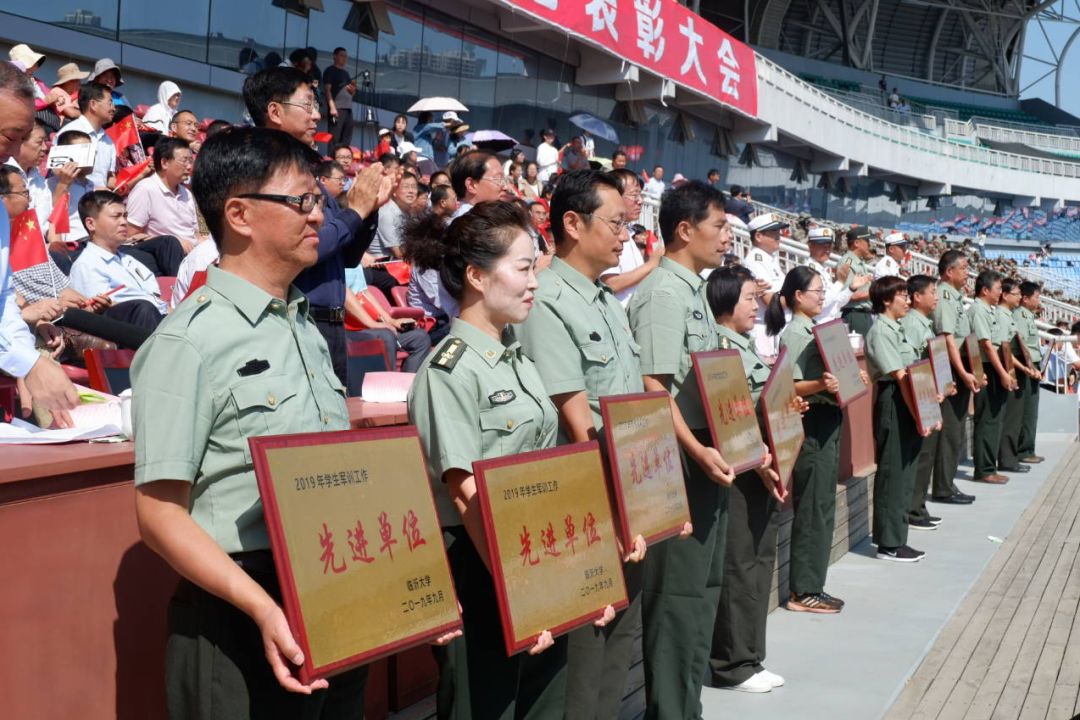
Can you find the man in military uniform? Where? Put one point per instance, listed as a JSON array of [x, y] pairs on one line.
[[895, 250], [857, 313], [989, 404], [951, 320], [670, 318], [837, 289], [763, 262], [1013, 415], [240, 358], [579, 337], [1024, 316], [919, 328]]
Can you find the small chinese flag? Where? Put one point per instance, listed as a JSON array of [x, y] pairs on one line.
[[59, 220], [129, 174], [123, 134], [27, 244], [400, 271], [323, 137]]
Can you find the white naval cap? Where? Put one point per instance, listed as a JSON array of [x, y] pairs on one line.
[[820, 235], [765, 222], [895, 238]]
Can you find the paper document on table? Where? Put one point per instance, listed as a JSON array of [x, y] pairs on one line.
[[19, 432], [94, 415], [386, 387]]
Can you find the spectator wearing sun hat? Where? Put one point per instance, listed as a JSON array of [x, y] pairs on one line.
[[49, 103], [108, 74], [68, 79]]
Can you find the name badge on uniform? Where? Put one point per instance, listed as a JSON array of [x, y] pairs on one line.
[[594, 336], [502, 397]]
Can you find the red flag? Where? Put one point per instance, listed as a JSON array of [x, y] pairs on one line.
[[59, 220], [323, 137], [124, 134], [400, 271], [129, 174], [27, 244]]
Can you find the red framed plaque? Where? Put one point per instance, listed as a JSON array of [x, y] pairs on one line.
[[835, 348], [356, 543], [551, 540], [942, 366], [728, 408], [646, 467], [783, 422], [920, 376], [975, 363]]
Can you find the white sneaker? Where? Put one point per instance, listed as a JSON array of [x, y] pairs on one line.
[[771, 678], [753, 684]]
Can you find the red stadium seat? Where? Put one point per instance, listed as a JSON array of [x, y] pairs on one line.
[[8, 404], [397, 313], [140, 110], [109, 370], [400, 295]]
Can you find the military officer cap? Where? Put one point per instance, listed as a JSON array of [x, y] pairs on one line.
[[858, 233], [895, 238], [820, 235], [766, 222]]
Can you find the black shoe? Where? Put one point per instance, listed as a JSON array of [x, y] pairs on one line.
[[965, 497], [1017, 469], [957, 499], [902, 554], [921, 524], [829, 598], [934, 520]]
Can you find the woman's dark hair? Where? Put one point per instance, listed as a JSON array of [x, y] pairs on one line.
[[883, 290], [622, 177], [798, 280], [525, 169], [724, 288], [1008, 285], [479, 238]]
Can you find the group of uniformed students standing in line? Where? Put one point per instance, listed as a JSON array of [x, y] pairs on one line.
[[522, 368]]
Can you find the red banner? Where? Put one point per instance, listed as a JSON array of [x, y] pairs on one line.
[[662, 37]]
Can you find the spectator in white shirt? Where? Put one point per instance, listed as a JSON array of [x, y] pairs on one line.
[[161, 204], [547, 156], [655, 187], [96, 106], [39, 378], [160, 115], [26, 162], [102, 269], [632, 267]]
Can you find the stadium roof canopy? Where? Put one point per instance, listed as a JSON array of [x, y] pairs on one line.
[[974, 44]]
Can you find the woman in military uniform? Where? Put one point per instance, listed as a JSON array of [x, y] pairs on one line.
[[477, 397], [896, 434], [738, 648], [817, 467]]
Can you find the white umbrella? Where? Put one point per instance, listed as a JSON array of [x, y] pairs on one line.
[[437, 104]]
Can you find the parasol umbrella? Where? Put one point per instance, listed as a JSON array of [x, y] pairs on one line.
[[595, 126], [494, 140], [437, 104]]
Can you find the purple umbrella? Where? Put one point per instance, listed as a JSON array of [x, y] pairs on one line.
[[494, 140]]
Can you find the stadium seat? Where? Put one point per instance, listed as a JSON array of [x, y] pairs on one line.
[[8, 403], [397, 313], [400, 295], [109, 370], [364, 356]]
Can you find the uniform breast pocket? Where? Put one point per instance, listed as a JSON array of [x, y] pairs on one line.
[[507, 429], [259, 403], [697, 335], [598, 360]]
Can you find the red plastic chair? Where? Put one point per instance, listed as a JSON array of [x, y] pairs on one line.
[[397, 313], [109, 370], [8, 404], [400, 296]]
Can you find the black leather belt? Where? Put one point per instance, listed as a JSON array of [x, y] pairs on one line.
[[259, 561], [327, 315]]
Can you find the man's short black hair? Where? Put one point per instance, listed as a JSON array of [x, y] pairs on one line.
[[712, 171], [298, 55], [215, 127], [985, 280], [6, 173], [175, 119], [472, 164], [948, 260], [69, 137], [15, 82], [736, 190], [272, 84], [92, 91], [241, 160], [92, 203], [340, 49], [389, 159], [919, 283], [165, 149], [690, 203], [577, 191], [618, 153], [341, 146], [327, 167], [1029, 288]]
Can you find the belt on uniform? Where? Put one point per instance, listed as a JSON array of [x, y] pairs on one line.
[[259, 561], [327, 314], [847, 310]]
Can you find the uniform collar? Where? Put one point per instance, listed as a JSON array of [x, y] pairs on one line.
[[802, 322], [921, 319], [483, 344], [737, 340], [250, 300], [1025, 313], [573, 277], [890, 323], [685, 274]]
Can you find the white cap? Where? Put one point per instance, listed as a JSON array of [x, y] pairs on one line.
[[895, 238], [450, 116], [820, 234], [736, 222], [767, 221], [383, 131], [405, 148]]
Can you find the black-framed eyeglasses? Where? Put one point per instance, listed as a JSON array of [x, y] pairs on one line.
[[24, 193], [618, 226], [305, 203], [309, 107]]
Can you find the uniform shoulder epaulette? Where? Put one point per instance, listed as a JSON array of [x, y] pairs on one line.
[[725, 344], [448, 357], [757, 256], [195, 305]]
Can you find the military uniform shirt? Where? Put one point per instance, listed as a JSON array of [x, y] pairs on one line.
[[919, 330], [1029, 331], [886, 267], [984, 323], [757, 372], [887, 349], [798, 338], [229, 363], [858, 267], [837, 294], [764, 266], [1006, 326], [671, 319], [579, 337], [476, 398], [950, 316]]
